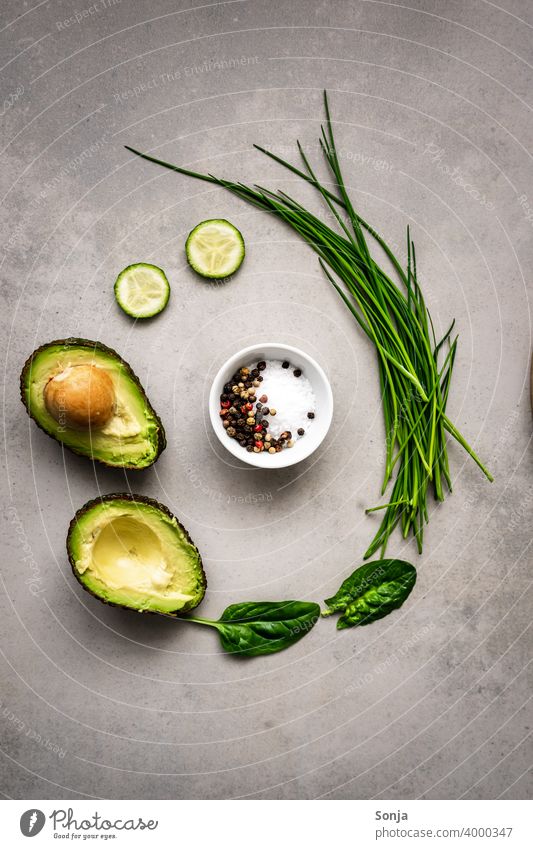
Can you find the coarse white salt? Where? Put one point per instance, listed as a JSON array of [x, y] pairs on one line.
[[292, 398]]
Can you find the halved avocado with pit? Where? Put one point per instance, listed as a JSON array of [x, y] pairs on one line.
[[87, 397], [130, 551]]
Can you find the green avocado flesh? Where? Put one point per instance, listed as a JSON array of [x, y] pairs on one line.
[[132, 438], [130, 551]]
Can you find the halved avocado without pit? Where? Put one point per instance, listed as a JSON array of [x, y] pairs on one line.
[[130, 551], [84, 395]]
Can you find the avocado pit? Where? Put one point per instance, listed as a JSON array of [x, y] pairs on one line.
[[81, 396]]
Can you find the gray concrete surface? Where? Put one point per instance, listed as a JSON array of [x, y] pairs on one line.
[[431, 102]]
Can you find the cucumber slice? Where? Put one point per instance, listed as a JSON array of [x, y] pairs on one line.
[[142, 290], [215, 248]]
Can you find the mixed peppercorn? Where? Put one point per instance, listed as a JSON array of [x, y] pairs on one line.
[[245, 416]]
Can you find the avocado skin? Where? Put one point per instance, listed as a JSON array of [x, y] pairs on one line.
[[74, 342], [135, 499]]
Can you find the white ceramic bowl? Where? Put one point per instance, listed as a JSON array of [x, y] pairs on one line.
[[303, 447]]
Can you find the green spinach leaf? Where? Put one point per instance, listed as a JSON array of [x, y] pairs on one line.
[[371, 592], [254, 628]]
